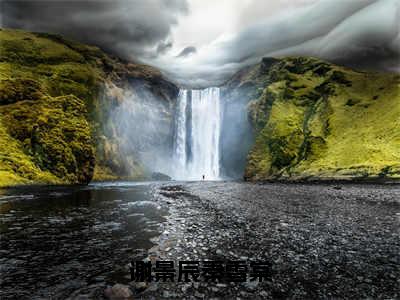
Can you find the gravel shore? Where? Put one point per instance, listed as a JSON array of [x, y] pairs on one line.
[[322, 240]]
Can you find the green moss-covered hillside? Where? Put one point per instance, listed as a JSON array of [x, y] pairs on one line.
[[52, 105], [313, 119]]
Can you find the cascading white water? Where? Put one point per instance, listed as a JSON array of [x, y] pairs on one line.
[[206, 118], [180, 155], [197, 135]]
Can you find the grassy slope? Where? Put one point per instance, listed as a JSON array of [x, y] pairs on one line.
[[16, 166], [51, 105], [45, 87], [314, 119]]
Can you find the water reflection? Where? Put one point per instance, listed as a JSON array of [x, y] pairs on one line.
[[55, 240]]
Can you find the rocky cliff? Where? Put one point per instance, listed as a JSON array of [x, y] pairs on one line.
[[69, 113], [312, 119], [55, 96]]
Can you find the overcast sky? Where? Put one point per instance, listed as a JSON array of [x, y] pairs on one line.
[[202, 42]]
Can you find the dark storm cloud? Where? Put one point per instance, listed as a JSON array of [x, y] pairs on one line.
[[164, 47], [363, 34], [128, 28], [187, 51], [351, 31]]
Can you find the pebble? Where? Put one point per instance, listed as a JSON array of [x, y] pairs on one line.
[[251, 285], [140, 286], [199, 295], [119, 291], [323, 233], [185, 287]]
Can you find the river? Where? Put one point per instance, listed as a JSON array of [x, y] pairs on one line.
[[325, 240], [56, 240]]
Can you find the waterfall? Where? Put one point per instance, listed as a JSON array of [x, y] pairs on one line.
[[180, 153], [197, 135]]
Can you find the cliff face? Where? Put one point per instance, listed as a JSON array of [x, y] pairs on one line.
[[70, 113], [312, 119], [54, 97]]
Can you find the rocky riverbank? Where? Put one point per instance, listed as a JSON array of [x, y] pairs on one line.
[[322, 240]]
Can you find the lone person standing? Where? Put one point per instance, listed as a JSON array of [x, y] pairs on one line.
[[204, 176]]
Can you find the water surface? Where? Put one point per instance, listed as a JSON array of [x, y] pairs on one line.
[[56, 240]]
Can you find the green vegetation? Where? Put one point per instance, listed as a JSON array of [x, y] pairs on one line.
[[54, 133], [317, 120], [311, 119], [52, 104], [45, 89], [16, 166]]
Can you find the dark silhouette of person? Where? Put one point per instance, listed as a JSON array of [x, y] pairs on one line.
[[204, 177]]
